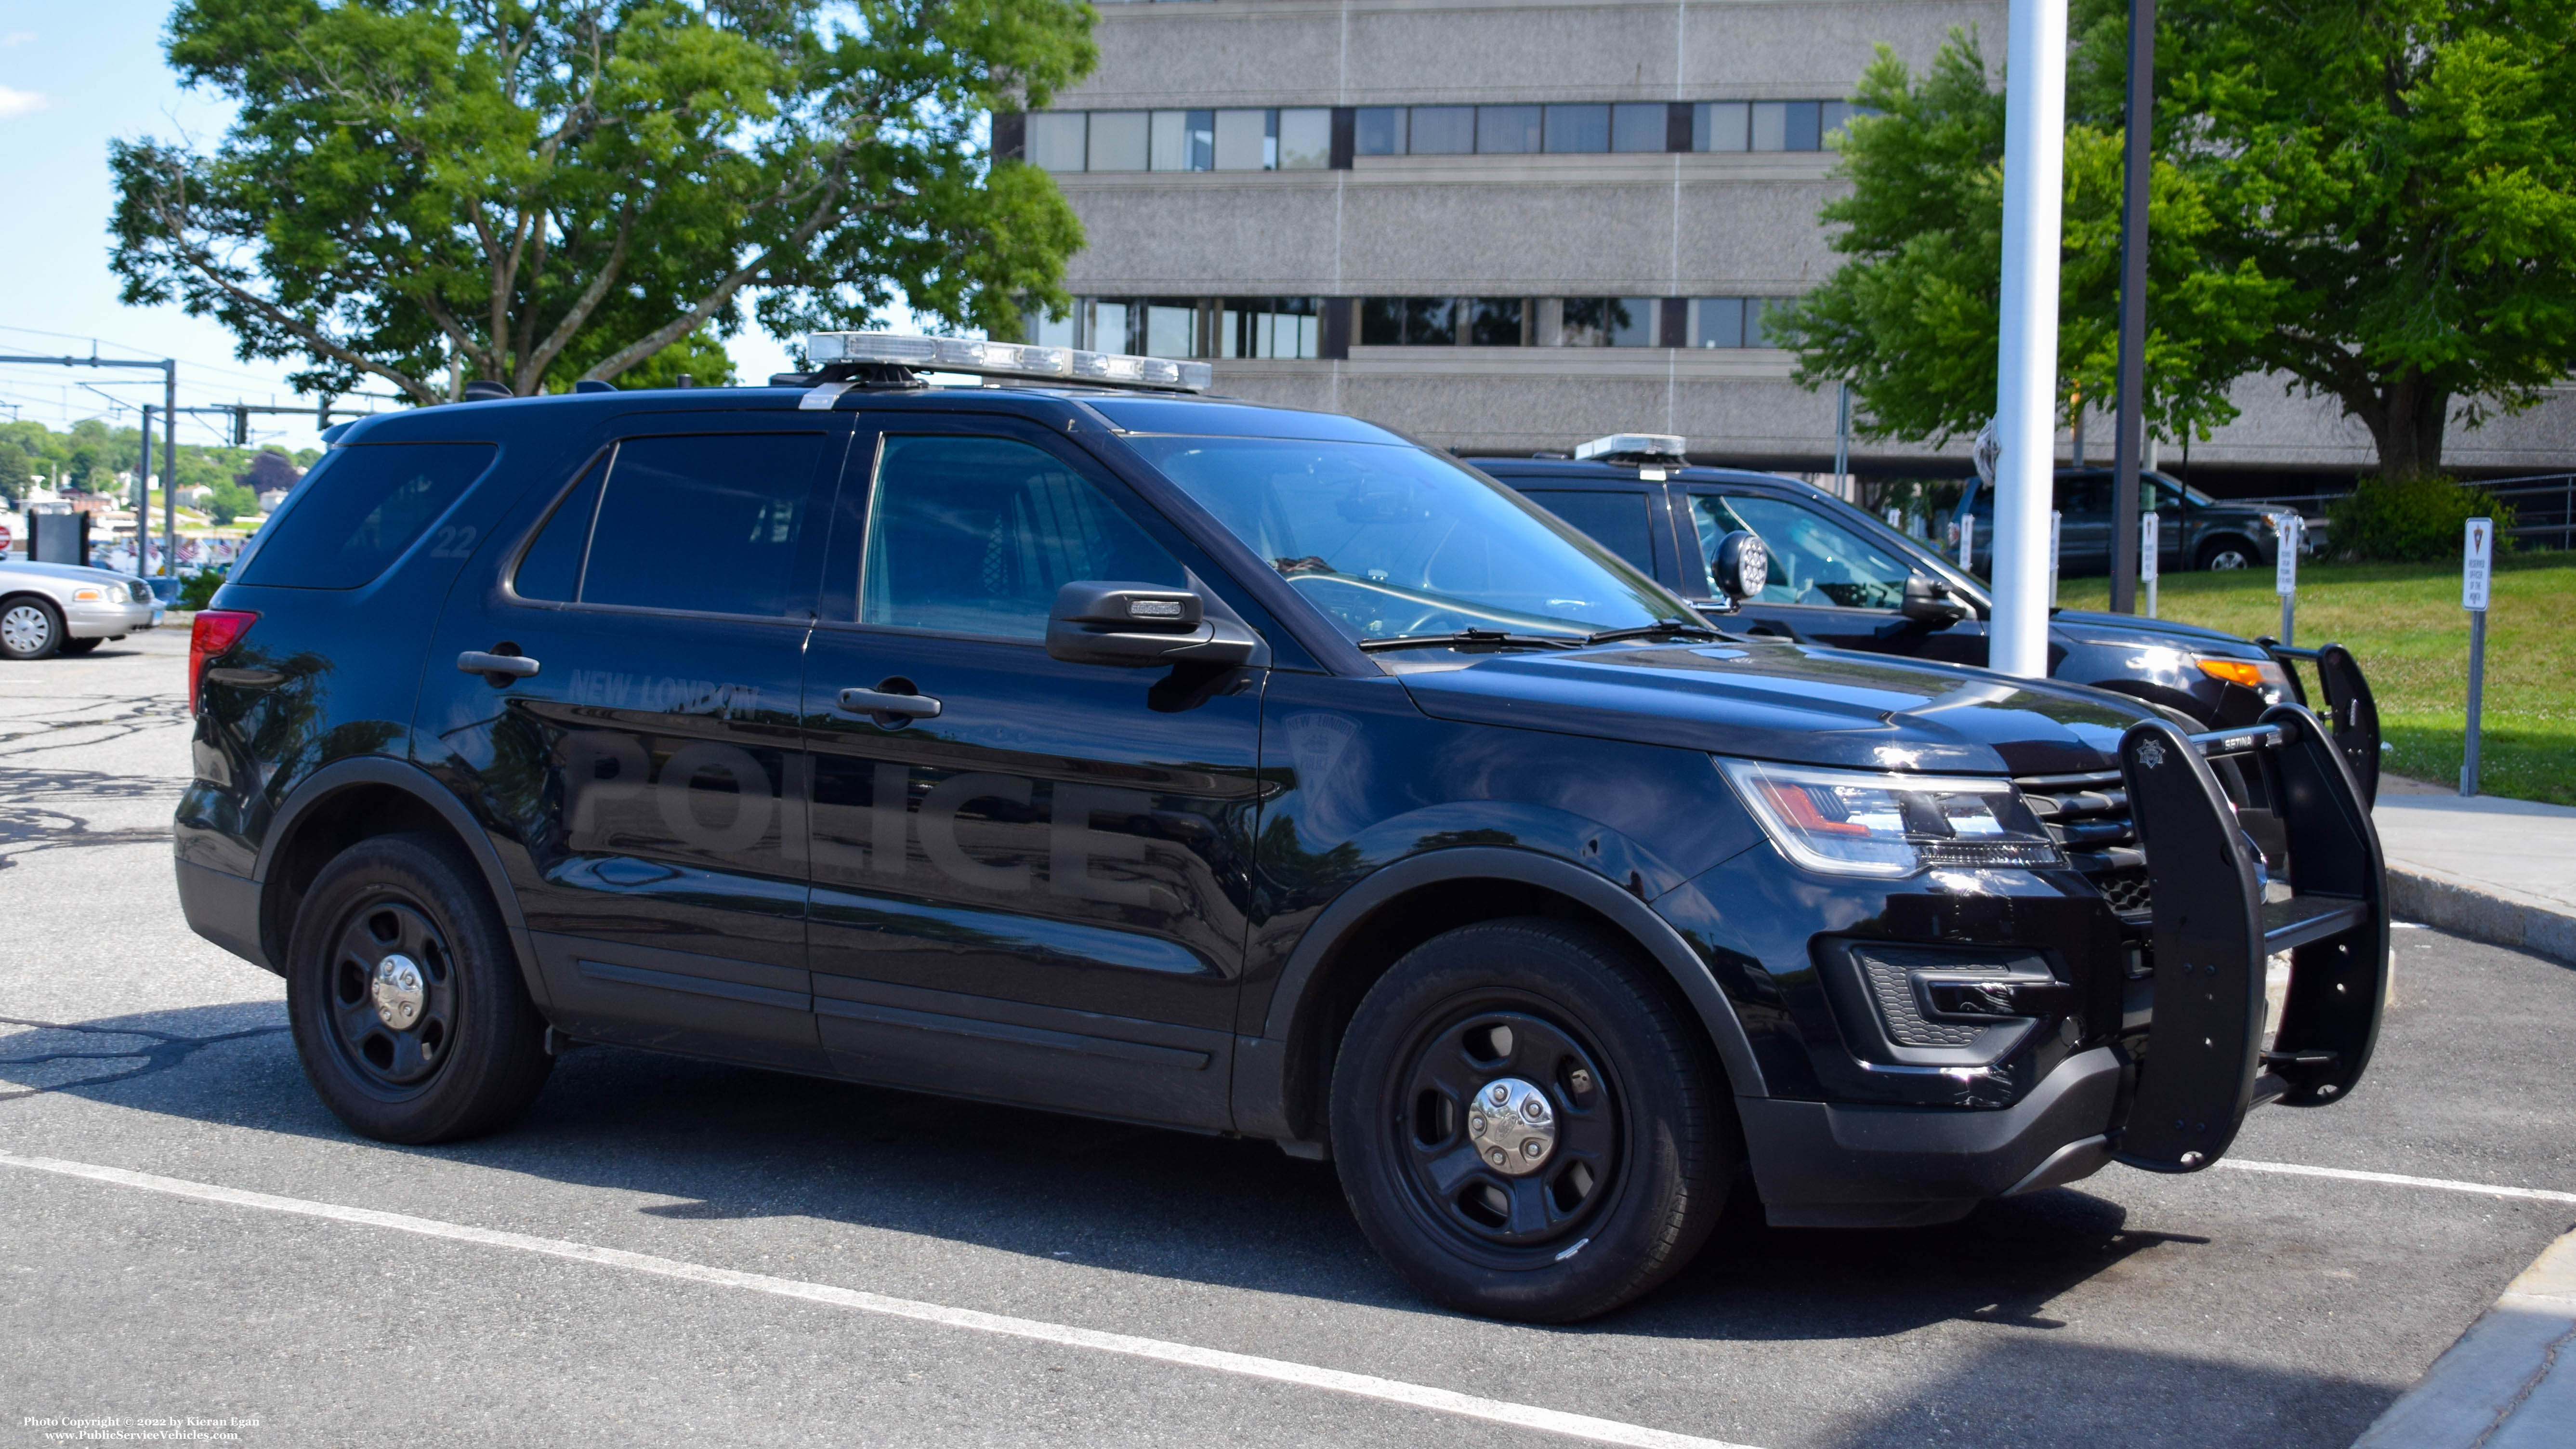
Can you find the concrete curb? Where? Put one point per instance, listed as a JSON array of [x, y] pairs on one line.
[[2480, 913], [2509, 1382]]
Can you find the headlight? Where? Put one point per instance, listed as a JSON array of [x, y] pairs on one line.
[[2264, 676], [1853, 822]]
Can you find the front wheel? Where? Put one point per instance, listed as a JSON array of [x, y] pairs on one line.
[[405, 999], [1529, 1123], [29, 629]]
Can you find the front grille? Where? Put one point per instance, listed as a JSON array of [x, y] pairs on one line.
[[2088, 813]]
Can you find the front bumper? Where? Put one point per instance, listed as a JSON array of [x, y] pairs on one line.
[[109, 621], [2165, 1082]]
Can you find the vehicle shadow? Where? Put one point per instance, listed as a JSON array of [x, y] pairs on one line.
[[724, 1142]]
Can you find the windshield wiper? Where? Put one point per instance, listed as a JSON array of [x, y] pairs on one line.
[[1668, 627], [1496, 637]]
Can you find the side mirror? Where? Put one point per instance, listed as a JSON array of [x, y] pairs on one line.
[[1141, 626], [1743, 565], [1929, 601]]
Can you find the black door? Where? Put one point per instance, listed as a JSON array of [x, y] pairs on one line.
[[649, 771], [1038, 892]]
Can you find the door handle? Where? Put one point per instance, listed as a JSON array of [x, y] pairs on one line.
[[496, 667], [881, 702]]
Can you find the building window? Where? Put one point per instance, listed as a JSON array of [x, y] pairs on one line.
[[1242, 137], [1378, 131], [1508, 130], [1579, 128], [1788, 126], [1495, 321], [1056, 140], [1444, 131], [1637, 127], [1184, 141], [1118, 141], [1305, 138], [1270, 327], [1733, 321]]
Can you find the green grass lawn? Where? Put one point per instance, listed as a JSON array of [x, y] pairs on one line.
[[2404, 623]]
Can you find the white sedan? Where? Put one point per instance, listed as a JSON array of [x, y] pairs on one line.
[[66, 609]]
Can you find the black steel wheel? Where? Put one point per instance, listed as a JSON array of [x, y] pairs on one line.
[[406, 1001], [1529, 1122]]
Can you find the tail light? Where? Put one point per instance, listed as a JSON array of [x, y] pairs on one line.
[[215, 631]]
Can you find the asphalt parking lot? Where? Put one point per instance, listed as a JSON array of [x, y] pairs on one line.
[[2231, 1307]]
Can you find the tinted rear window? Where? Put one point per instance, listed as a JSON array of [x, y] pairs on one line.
[[710, 524], [1617, 518], [362, 507]]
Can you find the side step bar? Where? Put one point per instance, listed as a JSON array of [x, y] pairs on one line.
[[2204, 1065]]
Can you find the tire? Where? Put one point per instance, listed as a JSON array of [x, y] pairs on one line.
[[2223, 554], [457, 1048], [1635, 1162], [30, 628], [71, 648]]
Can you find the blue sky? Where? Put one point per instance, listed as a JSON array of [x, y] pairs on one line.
[[70, 80]]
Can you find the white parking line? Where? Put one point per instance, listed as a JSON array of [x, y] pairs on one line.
[[2535, 1194], [1367, 1386]]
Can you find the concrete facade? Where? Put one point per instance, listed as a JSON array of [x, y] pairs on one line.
[[1663, 224]]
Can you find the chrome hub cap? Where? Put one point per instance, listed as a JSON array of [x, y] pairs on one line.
[[1511, 1126], [25, 628], [400, 991]]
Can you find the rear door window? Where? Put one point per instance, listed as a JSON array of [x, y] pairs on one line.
[[363, 506], [711, 524], [1616, 519]]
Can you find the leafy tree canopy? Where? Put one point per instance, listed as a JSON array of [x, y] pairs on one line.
[[2374, 200], [536, 191]]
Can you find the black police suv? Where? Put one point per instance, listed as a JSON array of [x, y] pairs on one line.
[[1842, 577], [1227, 768]]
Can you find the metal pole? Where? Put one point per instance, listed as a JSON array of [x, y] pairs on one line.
[[170, 471], [2026, 348], [1842, 442], [2130, 421], [2477, 553], [2285, 573], [143, 500]]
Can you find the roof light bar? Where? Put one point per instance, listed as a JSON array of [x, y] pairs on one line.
[[1007, 359], [1636, 445]]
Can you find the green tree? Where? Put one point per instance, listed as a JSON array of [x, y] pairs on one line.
[[1912, 319], [534, 191], [2404, 170], [231, 501]]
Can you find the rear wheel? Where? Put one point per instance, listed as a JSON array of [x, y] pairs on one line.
[[29, 629], [1528, 1122], [405, 999]]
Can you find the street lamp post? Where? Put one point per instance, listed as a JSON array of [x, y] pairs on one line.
[[2026, 391]]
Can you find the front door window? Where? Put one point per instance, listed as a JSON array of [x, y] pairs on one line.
[[1814, 560]]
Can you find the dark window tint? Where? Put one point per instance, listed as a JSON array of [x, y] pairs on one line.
[[552, 568], [1444, 130], [1378, 131], [1494, 321], [1578, 128], [1639, 126], [1615, 520], [361, 508], [1609, 322], [2084, 493], [1507, 130], [975, 535], [708, 523]]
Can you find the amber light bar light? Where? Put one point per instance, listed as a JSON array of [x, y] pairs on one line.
[[1007, 359]]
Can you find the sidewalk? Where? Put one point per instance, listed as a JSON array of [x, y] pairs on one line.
[[2495, 870], [2510, 1381]]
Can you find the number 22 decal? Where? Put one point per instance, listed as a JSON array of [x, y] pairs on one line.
[[457, 542]]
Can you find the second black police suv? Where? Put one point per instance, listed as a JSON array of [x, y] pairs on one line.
[[1229, 768]]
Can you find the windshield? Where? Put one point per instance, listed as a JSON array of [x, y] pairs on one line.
[[1392, 542]]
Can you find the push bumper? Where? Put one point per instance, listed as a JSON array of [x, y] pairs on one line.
[[2169, 1093], [2350, 713]]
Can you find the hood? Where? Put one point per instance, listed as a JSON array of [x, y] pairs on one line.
[[1777, 700], [2131, 631], [77, 573]]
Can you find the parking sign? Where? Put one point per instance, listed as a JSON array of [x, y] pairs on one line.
[[2476, 556]]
